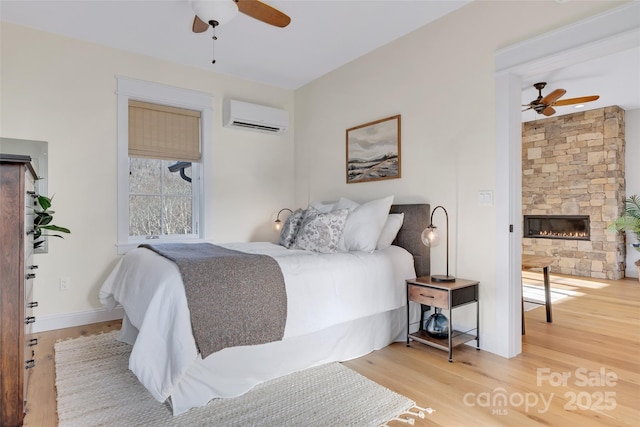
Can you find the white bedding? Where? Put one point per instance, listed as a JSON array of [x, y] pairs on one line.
[[327, 294]]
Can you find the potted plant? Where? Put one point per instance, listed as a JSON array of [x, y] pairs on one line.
[[630, 221], [42, 221]]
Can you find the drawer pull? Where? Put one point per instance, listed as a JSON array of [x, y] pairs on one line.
[[33, 267], [32, 304], [30, 319], [31, 276], [427, 296], [28, 364], [33, 342]]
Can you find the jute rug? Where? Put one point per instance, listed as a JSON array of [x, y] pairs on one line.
[[96, 388]]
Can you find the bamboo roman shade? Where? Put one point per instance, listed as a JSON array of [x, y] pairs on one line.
[[162, 132]]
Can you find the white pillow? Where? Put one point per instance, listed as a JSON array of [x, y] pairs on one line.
[[344, 203], [390, 230], [324, 207], [364, 224]]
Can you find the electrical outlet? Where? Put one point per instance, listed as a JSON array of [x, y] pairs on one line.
[[65, 283]]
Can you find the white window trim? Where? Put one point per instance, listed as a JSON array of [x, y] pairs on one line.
[[140, 90]]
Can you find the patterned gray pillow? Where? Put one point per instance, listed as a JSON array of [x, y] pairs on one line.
[[291, 227], [320, 232]]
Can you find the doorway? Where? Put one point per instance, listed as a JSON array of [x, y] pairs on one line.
[[604, 34]]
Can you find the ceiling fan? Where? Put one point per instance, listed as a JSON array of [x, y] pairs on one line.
[[544, 104], [219, 12]]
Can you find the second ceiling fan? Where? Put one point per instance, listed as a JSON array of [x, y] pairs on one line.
[[544, 104]]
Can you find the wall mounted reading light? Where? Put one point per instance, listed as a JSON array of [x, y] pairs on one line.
[[277, 224], [431, 239]]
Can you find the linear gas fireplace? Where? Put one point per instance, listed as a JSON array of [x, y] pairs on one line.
[[568, 227]]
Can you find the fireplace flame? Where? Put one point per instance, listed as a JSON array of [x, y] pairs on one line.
[[564, 234]]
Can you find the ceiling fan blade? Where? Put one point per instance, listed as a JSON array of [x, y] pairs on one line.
[[549, 111], [263, 12], [552, 97], [199, 26], [580, 100]]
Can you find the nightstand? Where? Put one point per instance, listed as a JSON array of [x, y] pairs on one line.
[[447, 296]]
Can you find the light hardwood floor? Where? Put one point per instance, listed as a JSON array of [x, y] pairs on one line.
[[594, 337]]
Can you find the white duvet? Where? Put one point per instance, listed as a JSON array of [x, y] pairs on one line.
[[323, 291]]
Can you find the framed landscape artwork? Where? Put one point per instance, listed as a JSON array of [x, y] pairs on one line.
[[373, 151]]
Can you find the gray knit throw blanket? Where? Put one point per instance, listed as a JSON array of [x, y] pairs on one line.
[[234, 298]]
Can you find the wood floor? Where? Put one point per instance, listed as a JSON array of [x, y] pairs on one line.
[[581, 370]]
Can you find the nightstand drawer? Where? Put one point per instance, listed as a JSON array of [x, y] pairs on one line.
[[429, 296]]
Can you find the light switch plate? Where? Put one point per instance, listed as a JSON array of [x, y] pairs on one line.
[[485, 198]]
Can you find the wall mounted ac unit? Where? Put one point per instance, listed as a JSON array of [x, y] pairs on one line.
[[259, 118]]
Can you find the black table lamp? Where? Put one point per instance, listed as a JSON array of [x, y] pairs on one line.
[[431, 239]]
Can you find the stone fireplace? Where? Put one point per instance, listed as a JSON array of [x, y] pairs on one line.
[[573, 169]]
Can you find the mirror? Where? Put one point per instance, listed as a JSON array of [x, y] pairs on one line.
[[38, 150]]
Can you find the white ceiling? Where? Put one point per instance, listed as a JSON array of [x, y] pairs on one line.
[[322, 36]]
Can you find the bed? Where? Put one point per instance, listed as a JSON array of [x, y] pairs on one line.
[[340, 306]]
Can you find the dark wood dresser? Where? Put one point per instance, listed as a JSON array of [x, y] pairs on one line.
[[17, 356]]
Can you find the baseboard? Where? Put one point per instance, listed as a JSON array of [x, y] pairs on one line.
[[68, 320]]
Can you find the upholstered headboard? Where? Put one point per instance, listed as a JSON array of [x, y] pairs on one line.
[[416, 219]]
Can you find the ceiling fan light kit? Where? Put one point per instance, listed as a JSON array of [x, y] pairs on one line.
[[544, 104], [223, 11], [220, 11]]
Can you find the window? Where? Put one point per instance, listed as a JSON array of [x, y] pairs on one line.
[[160, 201], [163, 141], [161, 162]]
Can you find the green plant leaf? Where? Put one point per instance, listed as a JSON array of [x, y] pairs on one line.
[[44, 202], [630, 221], [56, 228], [42, 221], [42, 218], [632, 206]]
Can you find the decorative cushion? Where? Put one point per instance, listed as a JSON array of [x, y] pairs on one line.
[[291, 227], [320, 232], [364, 223], [390, 230]]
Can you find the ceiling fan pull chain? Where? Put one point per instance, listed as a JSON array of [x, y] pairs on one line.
[[214, 24]]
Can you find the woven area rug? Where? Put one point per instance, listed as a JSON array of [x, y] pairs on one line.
[[96, 388]]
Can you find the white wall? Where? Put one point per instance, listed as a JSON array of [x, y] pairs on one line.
[[62, 91], [441, 79], [632, 176]]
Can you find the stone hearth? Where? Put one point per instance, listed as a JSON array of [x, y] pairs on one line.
[[574, 165]]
